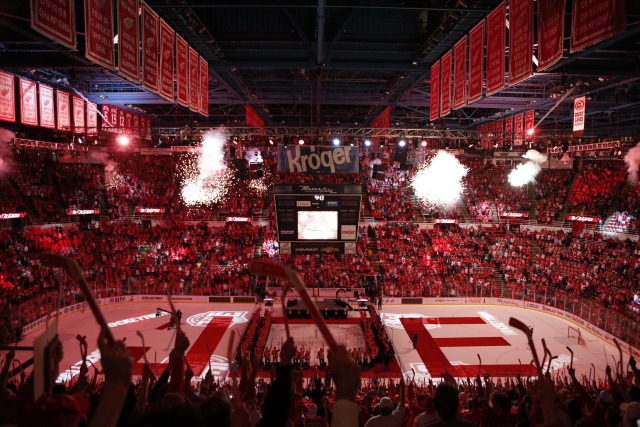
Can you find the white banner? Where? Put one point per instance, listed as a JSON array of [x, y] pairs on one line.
[[579, 113]]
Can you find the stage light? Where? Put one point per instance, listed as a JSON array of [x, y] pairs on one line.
[[367, 142], [529, 132], [270, 141], [123, 140], [301, 141], [402, 143], [336, 141], [423, 143]]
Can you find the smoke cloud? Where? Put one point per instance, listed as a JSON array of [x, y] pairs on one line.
[[525, 173], [632, 159]]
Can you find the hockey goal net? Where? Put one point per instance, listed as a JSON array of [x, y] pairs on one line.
[[574, 333]]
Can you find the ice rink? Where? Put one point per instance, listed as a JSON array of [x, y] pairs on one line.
[[448, 337]]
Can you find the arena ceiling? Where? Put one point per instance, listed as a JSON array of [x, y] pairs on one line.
[[338, 63]]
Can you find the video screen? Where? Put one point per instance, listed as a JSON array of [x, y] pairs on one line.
[[317, 225]]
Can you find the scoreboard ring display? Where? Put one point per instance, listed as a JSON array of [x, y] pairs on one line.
[[317, 218]]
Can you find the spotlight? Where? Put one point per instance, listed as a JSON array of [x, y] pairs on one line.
[[80, 140], [423, 143], [367, 143], [529, 132], [271, 141], [301, 141], [336, 141], [123, 140], [402, 143]]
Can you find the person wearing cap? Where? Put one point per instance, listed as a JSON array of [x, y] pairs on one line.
[[429, 416], [389, 417]]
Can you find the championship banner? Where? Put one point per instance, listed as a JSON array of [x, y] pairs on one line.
[[595, 21], [445, 84], [529, 124], [47, 113], [579, 107], [128, 122], [150, 43], [476, 62], [508, 128], [28, 103], [129, 40], [55, 19], [99, 34], [136, 124], [498, 132], [194, 80], [307, 159], [520, 40], [147, 129], [92, 118], [7, 98], [550, 32], [252, 118], [491, 133], [496, 27], [204, 87], [182, 71], [63, 110], [167, 49], [460, 73], [435, 92], [518, 129], [114, 116], [78, 115]]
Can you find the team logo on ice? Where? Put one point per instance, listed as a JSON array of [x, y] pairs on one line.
[[203, 319]]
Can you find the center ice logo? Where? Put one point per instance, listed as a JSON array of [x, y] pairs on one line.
[[203, 319], [392, 320]]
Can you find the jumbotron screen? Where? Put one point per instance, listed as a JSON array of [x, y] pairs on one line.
[[317, 218]]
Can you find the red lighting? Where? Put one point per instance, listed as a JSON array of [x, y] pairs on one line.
[[529, 131], [123, 140]]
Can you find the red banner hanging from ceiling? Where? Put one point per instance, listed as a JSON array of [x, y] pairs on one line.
[[128, 122], [508, 128], [460, 73], [434, 113], [78, 115], [491, 136], [529, 118], [496, 27], [7, 98], [122, 121], [476, 62], [382, 121], [106, 116], [499, 132], [150, 41], [167, 49], [136, 124], [550, 32], [595, 21], [129, 40], [47, 113], [520, 40], [92, 118], [182, 75], [204, 87], [445, 84], [63, 109], [194, 80], [28, 103], [518, 129], [252, 118], [99, 34], [55, 19]]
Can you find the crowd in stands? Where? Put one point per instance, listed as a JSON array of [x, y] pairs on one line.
[[389, 198], [31, 172], [80, 185], [551, 189], [596, 187]]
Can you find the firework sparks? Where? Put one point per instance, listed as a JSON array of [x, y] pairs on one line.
[[204, 175], [439, 182]]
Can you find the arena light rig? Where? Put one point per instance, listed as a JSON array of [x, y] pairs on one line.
[[265, 268]]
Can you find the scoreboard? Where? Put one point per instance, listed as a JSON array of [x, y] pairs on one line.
[[317, 218]]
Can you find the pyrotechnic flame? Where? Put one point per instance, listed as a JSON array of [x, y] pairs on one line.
[[205, 177], [439, 182]]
